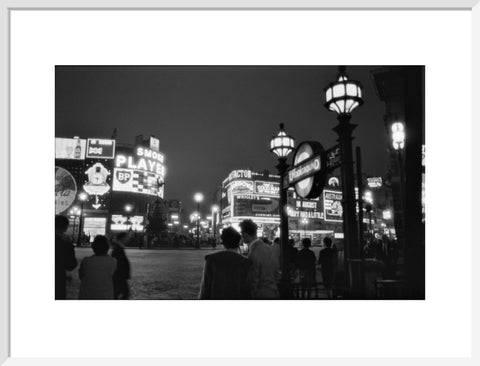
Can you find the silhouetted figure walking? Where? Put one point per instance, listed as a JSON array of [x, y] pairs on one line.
[[328, 260], [96, 272], [64, 257], [225, 272], [121, 276], [305, 262]]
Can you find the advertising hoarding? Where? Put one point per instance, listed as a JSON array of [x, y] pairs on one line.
[[100, 148], [374, 182], [93, 226], [122, 223], [255, 206], [65, 190], [97, 183], [73, 149], [332, 205], [267, 188], [137, 181], [154, 143]]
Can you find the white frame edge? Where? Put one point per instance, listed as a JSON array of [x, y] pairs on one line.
[[7, 6]]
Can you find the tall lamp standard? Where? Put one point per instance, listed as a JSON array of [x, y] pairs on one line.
[[305, 223], [128, 210], [342, 97], [398, 141], [214, 227], [198, 197], [281, 145], [82, 197]]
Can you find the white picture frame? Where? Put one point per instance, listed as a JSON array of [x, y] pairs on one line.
[[6, 180]]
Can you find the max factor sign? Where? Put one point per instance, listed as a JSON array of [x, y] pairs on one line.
[[304, 170]]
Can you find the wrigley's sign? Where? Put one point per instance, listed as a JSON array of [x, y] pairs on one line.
[[304, 170]]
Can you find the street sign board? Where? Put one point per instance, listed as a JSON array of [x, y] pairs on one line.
[[334, 157], [309, 172]]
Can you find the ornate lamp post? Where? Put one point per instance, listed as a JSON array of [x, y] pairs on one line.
[[198, 197], [128, 209], [342, 97], [281, 145], [82, 197]]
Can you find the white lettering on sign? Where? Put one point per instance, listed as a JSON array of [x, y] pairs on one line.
[[303, 170], [151, 154], [267, 188], [129, 162], [239, 174]]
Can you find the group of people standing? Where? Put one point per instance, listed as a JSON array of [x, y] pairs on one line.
[[230, 275], [103, 276]]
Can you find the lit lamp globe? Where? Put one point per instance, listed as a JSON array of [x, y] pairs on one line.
[[215, 208], [281, 144], [398, 135], [128, 208], [343, 95], [83, 196], [198, 197]]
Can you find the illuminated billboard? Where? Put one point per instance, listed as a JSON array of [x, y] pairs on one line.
[[122, 223], [141, 172], [332, 206], [97, 184], [100, 148], [73, 149], [267, 188], [255, 206], [65, 189]]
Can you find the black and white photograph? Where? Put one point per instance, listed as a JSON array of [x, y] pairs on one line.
[[240, 182]]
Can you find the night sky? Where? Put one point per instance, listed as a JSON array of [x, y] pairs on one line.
[[212, 120]]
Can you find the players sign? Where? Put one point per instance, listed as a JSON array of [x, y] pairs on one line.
[[136, 181]]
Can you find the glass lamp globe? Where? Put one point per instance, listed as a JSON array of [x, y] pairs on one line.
[[282, 144], [398, 135], [344, 95]]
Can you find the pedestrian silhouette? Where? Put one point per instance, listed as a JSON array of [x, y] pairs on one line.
[[64, 257], [263, 270], [96, 272], [328, 261], [225, 272], [121, 276], [305, 262]]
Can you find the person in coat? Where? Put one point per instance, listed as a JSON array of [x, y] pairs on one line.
[[121, 290], [64, 257], [225, 272], [305, 263], [328, 260]]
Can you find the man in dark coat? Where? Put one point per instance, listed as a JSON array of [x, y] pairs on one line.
[[64, 257], [328, 260], [305, 262], [121, 290], [225, 272]]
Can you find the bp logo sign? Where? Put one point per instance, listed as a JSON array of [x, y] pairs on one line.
[[309, 170]]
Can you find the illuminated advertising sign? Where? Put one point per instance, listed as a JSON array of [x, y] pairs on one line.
[[123, 223], [267, 188], [334, 157], [154, 143], [140, 173], [374, 182], [100, 148], [65, 190], [73, 149], [254, 206], [332, 206], [304, 170], [97, 182], [241, 186], [333, 182], [240, 174], [136, 181], [93, 226]]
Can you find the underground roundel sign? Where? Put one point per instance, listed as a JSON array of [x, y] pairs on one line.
[[309, 172]]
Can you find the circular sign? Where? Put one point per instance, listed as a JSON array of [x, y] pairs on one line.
[[311, 152], [65, 190]]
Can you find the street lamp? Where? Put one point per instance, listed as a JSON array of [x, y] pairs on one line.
[[74, 212], [398, 142], [305, 223], [198, 197], [214, 228], [128, 209], [82, 197], [343, 97], [281, 145]]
